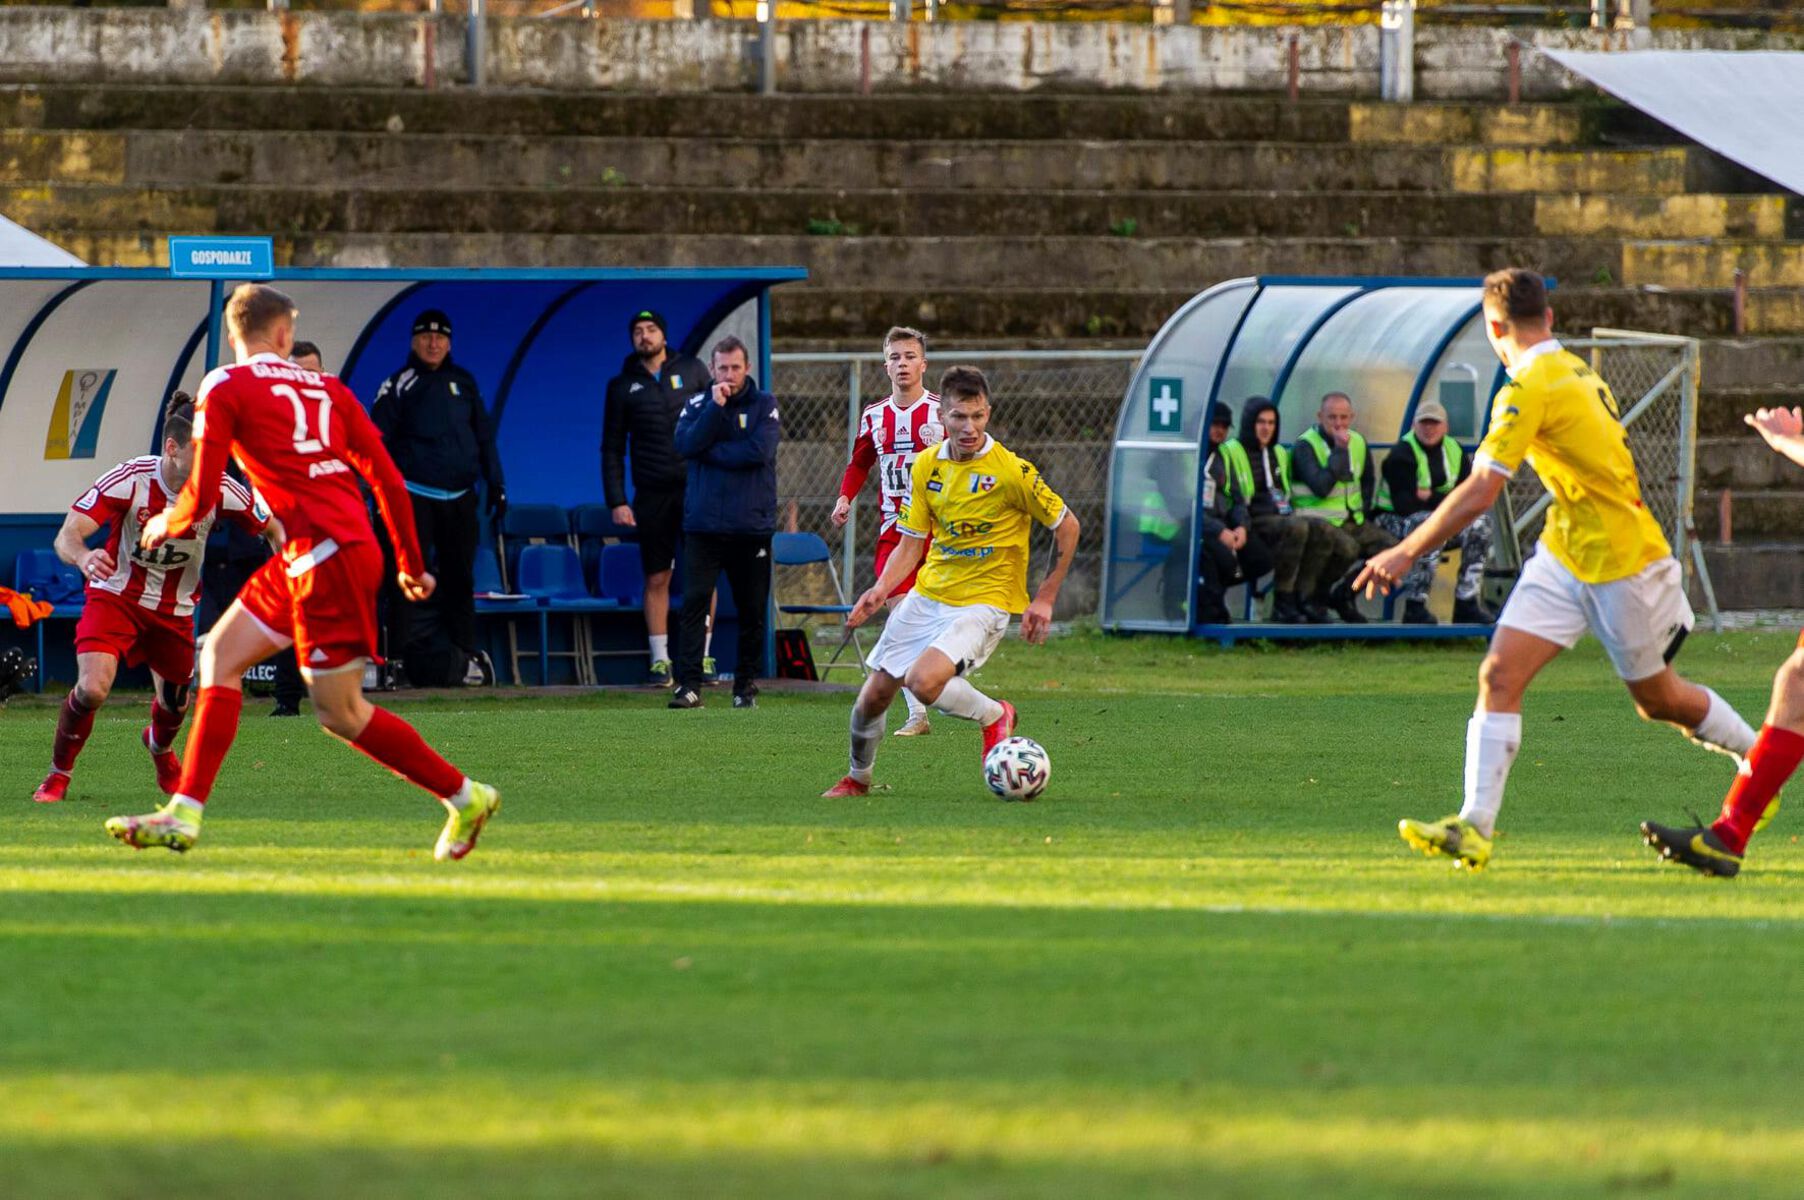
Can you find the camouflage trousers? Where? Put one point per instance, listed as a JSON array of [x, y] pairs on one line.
[[1473, 545]]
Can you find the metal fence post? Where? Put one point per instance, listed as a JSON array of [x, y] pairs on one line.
[[854, 398], [767, 47], [1397, 51], [476, 40]]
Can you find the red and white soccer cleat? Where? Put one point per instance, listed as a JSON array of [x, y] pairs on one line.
[[1002, 727], [55, 787], [169, 767], [846, 787]]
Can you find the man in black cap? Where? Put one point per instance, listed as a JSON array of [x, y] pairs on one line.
[[643, 404], [436, 426]]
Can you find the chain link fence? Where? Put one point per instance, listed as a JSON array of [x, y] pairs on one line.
[[1055, 408], [1654, 379]]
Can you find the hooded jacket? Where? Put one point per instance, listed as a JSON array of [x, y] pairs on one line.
[[1266, 462], [436, 427], [732, 453], [643, 408]]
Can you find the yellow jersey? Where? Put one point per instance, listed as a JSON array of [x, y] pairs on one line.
[[1560, 415], [979, 514]]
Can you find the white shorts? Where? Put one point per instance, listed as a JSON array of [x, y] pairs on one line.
[[965, 633], [1638, 618]]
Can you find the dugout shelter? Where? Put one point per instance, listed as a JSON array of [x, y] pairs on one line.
[[88, 355], [1386, 342]]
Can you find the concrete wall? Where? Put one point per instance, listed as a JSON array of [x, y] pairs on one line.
[[171, 46]]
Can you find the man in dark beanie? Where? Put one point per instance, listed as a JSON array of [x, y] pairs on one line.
[[433, 419], [643, 404]]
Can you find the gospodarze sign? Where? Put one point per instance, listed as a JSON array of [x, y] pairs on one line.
[[221, 258]]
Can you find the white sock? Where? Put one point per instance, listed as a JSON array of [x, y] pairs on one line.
[[1723, 730], [959, 699], [708, 642], [660, 646], [460, 799], [1492, 740], [866, 734], [915, 707]]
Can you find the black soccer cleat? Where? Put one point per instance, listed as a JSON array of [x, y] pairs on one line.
[[748, 698], [1697, 846], [684, 698]]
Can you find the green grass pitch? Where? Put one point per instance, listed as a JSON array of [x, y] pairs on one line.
[[1202, 966]]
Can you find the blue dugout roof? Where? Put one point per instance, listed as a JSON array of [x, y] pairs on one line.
[[89, 354], [1388, 342]]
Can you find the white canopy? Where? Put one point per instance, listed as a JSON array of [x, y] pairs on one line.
[[20, 247], [1744, 105]]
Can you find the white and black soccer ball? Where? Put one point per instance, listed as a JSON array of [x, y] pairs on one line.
[[1017, 768]]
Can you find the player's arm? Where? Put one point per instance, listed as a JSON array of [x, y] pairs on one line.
[[71, 545], [215, 420], [613, 456], [1036, 622], [864, 457], [903, 559], [1783, 429], [363, 447]]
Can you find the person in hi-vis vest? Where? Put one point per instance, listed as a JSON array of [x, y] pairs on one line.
[[1422, 468], [1334, 481]]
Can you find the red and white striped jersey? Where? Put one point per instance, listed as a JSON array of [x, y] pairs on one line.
[[888, 438], [167, 579]]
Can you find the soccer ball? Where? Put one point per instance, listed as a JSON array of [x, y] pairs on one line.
[[1017, 768]]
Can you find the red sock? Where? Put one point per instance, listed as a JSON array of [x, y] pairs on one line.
[[215, 725], [73, 725], [165, 723], [1775, 756], [399, 747]]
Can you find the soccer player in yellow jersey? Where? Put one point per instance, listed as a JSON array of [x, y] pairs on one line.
[[978, 503], [1602, 564]]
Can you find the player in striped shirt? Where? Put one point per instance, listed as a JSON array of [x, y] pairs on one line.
[[890, 434], [140, 603]]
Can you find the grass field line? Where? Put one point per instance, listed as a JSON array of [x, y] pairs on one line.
[[913, 892]]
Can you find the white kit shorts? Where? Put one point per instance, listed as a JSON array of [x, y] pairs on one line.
[[965, 633], [1640, 618]]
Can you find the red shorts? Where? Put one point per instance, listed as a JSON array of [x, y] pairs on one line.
[[326, 605], [136, 635], [887, 541]]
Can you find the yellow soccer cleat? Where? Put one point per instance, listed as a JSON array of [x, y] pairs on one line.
[[464, 825], [174, 827], [1453, 836]]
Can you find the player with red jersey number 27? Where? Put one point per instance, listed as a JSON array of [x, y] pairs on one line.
[[890, 435], [303, 439]]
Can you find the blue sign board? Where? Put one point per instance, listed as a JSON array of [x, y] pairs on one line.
[[221, 258]]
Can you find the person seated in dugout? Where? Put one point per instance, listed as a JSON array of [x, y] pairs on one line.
[[1419, 471], [1299, 548], [1231, 550], [1337, 485]]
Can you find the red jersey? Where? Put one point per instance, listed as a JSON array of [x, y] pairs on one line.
[[889, 437], [303, 439], [165, 580]]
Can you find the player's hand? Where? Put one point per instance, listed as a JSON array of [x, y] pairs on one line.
[[275, 534], [1384, 571], [97, 565], [1036, 622], [1341, 439], [722, 393], [623, 516], [865, 609], [1237, 539], [155, 531], [1776, 424], [842, 511], [1423, 494], [416, 587]]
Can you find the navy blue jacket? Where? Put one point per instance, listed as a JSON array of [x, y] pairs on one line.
[[732, 454]]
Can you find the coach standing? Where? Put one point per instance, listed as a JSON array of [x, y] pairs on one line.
[[643, 404], [729, 434], [437, 430]]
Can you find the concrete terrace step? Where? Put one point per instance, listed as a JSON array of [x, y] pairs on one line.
[[947, 116], [468, 159], [1720, 410], [1714, 263], [1760, 515], [1756, 574], [1749, 364]]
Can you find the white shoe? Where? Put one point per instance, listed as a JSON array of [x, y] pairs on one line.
[[914, 727]]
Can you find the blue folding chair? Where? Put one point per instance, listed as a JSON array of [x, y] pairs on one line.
[[619, 576], [54, 582], [809, 549], [493, 599], [553, 577], [530, 525]]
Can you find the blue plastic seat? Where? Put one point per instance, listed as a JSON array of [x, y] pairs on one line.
[[51, 580], [531, 524], [620, 576], [553, 576], [790, 550]]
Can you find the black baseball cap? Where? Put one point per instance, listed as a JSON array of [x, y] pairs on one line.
[[432, 320], [646, 314]]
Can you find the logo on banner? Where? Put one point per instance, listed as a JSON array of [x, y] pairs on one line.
[[75, 421]]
